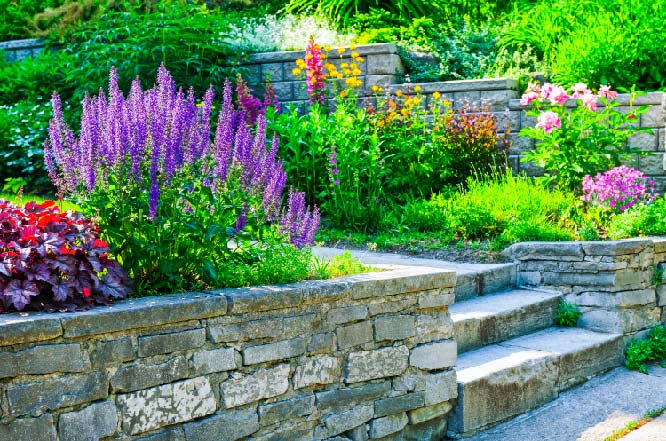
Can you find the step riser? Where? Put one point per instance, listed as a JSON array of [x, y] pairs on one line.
[[471, 285], [488, 399], [474, 333]]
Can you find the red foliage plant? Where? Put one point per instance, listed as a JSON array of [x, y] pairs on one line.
[[54, 261]]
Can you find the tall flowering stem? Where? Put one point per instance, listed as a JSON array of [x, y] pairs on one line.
[[314, 72], [151, 154]]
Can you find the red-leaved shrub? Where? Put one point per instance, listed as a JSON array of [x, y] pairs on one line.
[[54, 261]]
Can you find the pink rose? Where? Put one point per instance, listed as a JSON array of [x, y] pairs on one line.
[[579, 89], [554, 93], [548, 121], [590, 101], [606, 92], [528, 97]]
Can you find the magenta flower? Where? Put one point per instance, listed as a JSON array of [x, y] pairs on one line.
[[548, 121], [557, 95], [619, 188], [314, 73]]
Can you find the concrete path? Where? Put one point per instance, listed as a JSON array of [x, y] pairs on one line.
[[592, 411]]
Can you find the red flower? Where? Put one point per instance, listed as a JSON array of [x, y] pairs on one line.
[[86, 292]]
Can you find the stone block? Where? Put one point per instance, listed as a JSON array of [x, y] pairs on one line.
[[391, 306], [216, 360], [54, 393], [401, 403], [561, 251], [29, 328], [44, 359], [284, 91], [654, 117], [381, 427], [221, 332], [580, 279], [274, 71], [434, 326], [280, 350], [625, 321], [340, 399], [646, 141], [29, 429], [437, 355], [228, 426], [264, 383], [652, 165], [164, 405], [142, 376], [401, 281], [397, 327], [302, 325], [323, 342], [93, 422], [113, 351], [418, 416], [284, 410], [338, 423], [264, 298], [436, 298], [144, 312], [382, 81], [346, 314], [319, 369], [661, 295], [379, 363], [440, 387], [384, 64], [358, 433], [174, 434], [353, 335], [172, 342], [253, 75], [621, 299], [615, 247]]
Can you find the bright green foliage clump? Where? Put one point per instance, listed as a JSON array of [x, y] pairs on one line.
[[567, 314], [652, 348]]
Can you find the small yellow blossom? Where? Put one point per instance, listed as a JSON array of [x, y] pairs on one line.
[[308, 56], [356, 72], [398, 93], [352, 47], [404, 112], [417, 88], [344, 65], [339, 75], [447, 103], [416, 100], [329, 66], [341, 50], [327, 48], [347, 72], [296, 71], [436, 95], [381, 89], [355, 54], [359, 59], [300, 63], [353, 66], [375, 88]]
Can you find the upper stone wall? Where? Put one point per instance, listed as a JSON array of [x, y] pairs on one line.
[[370, 355]]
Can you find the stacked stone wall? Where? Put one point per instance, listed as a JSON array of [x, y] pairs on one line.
[[618, 285], [361, 357]]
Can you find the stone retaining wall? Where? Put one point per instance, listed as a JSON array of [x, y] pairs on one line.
[[616, 284], [366, 356], [17, 50]]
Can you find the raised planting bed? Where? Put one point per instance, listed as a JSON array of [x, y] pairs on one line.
[[372, 352]]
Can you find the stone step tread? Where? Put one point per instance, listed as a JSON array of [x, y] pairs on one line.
[[494, 318], [500, 381], [499, 303], [549, 343]]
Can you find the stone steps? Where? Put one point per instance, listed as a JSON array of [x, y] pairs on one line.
[[499, 381], [497, 317]]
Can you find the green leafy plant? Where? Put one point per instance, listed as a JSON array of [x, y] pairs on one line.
[[583, 140], [566, 314], [651, 348]]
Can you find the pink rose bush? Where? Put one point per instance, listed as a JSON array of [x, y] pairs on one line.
[[578, 132]]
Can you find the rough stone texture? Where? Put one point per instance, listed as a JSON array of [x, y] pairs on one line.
[[339, 316], [323, 342], [44, 359], [131, 378], [265, 383], [172, 342], [93, 422], [319, 369], [402, 403], [423, 414], [380, 363], [388, 425], [54, 393], [338, 423], [273, 351], [490, 379], [353, 335], [229, 426], [340, 399], [440, 387], [113, 351], [436, 355], [216, 360], [33, 429], [284, 410], [172, 403], [397, 327], [31, 327]]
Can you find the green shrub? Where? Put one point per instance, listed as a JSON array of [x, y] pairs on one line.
[[16, 16], [643, 219], [567, 314], [427, 216]]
